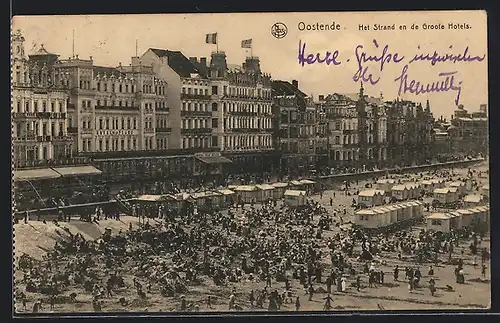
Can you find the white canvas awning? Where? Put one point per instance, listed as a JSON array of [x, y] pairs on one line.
[[35, 174], [294, 193], [77, 170]]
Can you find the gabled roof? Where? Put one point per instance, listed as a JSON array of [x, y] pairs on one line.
[[370, 193], [473, 198], [178, 62], [286, 88]]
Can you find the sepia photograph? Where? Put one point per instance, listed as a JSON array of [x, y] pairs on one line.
[[250, 162]]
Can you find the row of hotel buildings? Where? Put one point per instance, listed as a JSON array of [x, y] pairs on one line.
[[169, 115]]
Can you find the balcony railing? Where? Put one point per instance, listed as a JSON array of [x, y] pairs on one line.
[[115, 107], [144, 153], [248, 130], [243, 113], [23, 114], [196, 113], [25, 138], [185, 96], [43, 115], [44, 138], [163, 129], [196, 130], [67, 161]]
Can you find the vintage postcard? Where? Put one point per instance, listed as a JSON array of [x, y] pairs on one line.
[[246, 162]]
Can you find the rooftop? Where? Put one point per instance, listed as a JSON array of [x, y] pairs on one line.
[[178, 62]]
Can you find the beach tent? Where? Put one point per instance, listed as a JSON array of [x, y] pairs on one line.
[[226, 197], [400, 192], [266, 192], [279, 189], [371, 198], [386, 184], [295, 198], [247, 193], [459, 185], [439, 222], [473, 200], [367, 218]]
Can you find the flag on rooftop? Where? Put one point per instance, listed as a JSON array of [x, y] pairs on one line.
[[211, 38], [247, 43]]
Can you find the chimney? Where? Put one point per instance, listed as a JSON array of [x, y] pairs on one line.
[[193, 60], [295, 83], [203, 61], [321, 97], [90, 57]]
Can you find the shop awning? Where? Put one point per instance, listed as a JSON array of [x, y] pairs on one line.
[[214, 159], [35, 174], [77, 171]]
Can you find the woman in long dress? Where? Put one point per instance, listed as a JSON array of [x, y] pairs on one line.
[[343, 284]]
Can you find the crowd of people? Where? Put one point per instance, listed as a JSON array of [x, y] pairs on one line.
[[259, 256]]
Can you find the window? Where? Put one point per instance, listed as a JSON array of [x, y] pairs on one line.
[[44, 106], [105, 87], [214, 106], [215, 123], [436, 222], [120, 88], [107, 125], [214, 90], [135, 125]]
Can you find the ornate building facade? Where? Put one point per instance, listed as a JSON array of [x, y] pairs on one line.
[[40, 93], [469, 131], [296, 132], [410, 133], [115, 108]]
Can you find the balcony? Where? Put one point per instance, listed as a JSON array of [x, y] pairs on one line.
[[144, 153], [185, 96], [58, 115], [243, 113], [163, 130], [62, 138], [44, 138], [196, 131], [16, 115], [43, 115], [67, 161], [115, 107], [248, 130], [25, 138], [196, 113]]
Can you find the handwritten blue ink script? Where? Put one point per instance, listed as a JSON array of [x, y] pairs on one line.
[[370, 65]]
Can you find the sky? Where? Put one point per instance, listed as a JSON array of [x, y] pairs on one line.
[[111, 39]]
